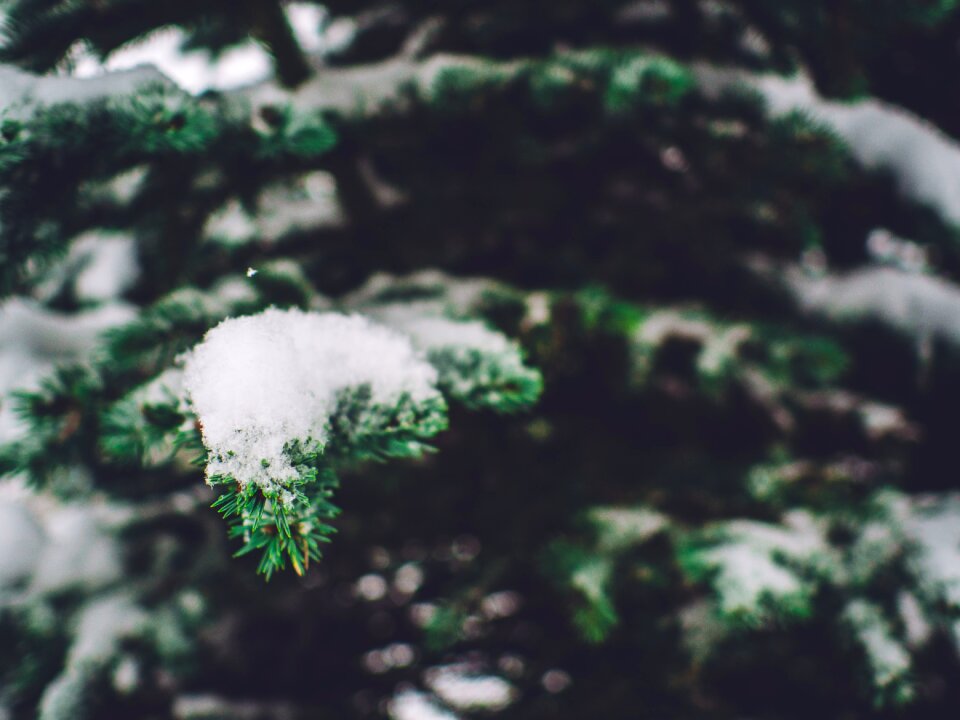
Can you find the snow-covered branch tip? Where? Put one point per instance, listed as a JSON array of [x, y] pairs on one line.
[[284, 397]]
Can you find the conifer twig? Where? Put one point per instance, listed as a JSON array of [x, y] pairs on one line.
[[271, 27]]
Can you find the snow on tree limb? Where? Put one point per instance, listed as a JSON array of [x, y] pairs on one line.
[[923, 160], [921, 307], [284, 396], [259, 382], [22, 92]]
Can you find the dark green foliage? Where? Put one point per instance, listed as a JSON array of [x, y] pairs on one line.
[[62, 426], [53, 153], [659, 476], [279, 532]]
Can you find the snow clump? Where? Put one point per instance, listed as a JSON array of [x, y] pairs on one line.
[[258, 382]]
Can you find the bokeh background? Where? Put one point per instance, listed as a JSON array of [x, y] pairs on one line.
[[725, 232]]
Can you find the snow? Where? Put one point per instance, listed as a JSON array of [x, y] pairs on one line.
[[441, 293], [165, 389], [719, 344], [644, 11], [887, 249], [619, 528], [435, 332], [889, 660], [102, 266], [475, 362], [192, 71], [413, 705], [918, 306], [196, 71], [110, 265], [758, 562], [408, 579], [48, 546], [208, 707], [361, 90], [371, 587], [21, 91], [20, 539], [100, 627], [126, 676], [80, 550], [592, 577], [702, 628], [231, 225], [917, 629], [501, 604], [924, 161], [307, 21], [259, 381], [64, 697], [800, 538], [878, 543], [46, 333], [223, 298], [34, 339], [934, 526], [306, 204], [465, 691], [123, 187], [747, 576]]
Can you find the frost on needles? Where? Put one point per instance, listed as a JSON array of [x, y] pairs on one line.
[[285, 396]]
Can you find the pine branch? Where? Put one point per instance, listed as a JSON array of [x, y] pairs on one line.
[[271, 27]]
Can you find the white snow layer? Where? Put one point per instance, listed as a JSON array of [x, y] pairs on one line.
[[260, 381], [20, 91], [431, 332], [413, 705], [196, 71], [109, 265], [758, 563], [79, 551], [917, 629], [101, 626], [466, 691], [308, 204], [889, 660], [924, 161], [933, 524], [101, 265], [193, 71], [435, 333], [919, 306], [747, 576], [48, 547], [20, 538], [467, 353], [33, 339], [619, 528]]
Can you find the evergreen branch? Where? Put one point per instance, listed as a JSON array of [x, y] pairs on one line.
[[270, 25]]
